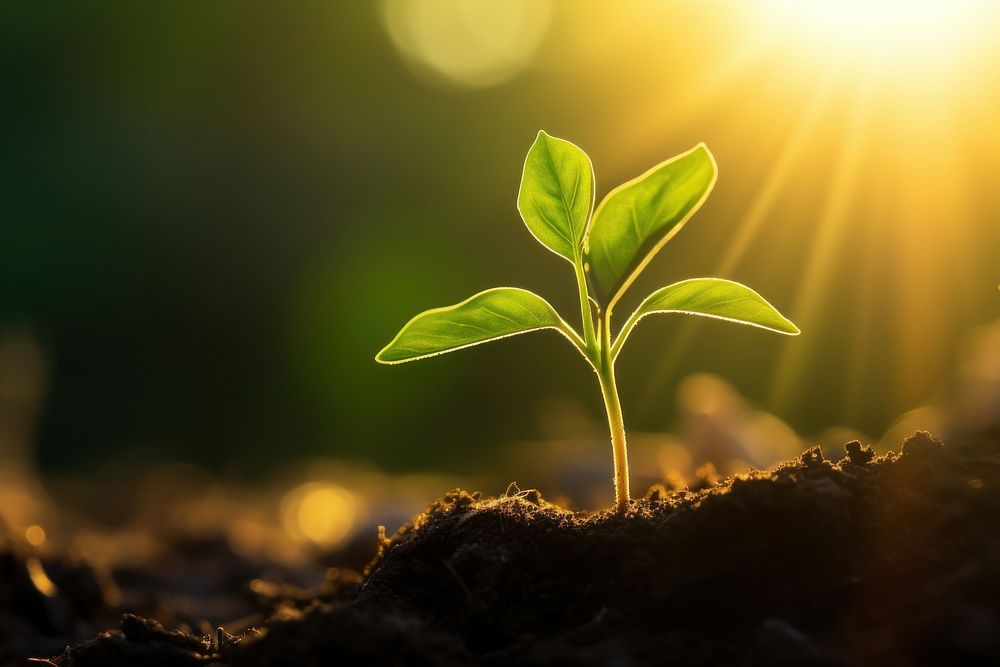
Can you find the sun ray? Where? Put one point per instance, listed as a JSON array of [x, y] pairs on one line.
[[773, 183], [934, 205], [820, 264], [777, 175], [658, 122], [870, 239]]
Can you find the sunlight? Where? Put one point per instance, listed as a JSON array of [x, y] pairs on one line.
[[873, 118], [474, 44], [914, 34], [659, 121], [828, 241], [35, 535], [40, 579], [857, 122], [774, 181], [772, 186], [320, 513]]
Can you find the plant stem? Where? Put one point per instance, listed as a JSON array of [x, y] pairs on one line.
[[601, 354], [589, 336], [616, 421]]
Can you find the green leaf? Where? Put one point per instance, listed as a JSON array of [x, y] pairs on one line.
[[496, 313], [557, 194], [637, 218], [710, 297]]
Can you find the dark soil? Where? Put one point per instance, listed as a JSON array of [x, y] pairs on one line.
[[890, 560]]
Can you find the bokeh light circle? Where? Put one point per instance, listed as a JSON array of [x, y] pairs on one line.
[[472, 44]]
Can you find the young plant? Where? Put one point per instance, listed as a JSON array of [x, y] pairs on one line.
[[607, 248]]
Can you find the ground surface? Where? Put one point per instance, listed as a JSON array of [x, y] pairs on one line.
[[891, 560]]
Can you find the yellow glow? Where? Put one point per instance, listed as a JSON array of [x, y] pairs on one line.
[[777, 175], [40, 579], [856, 142], [474, 43], [827, 239], [246, 536], [913, 33], [35, 535], [319, 512], [673, 458]]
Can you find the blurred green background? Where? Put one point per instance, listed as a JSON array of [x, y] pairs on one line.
[[212, 215]]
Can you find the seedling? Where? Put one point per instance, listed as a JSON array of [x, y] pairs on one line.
[[607, 249]]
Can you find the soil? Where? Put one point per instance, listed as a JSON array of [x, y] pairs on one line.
[[872, 560]]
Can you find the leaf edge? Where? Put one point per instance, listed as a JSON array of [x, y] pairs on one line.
[[641, 266], [563, 327], [593, 198], [637, 315]]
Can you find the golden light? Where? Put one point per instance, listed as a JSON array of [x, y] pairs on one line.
[[857, 143], [320, 513], [856, 139], [912, 33], [476, 44], [247, 537], [41, 581], [35, 535]]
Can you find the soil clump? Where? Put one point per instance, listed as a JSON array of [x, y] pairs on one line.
[[871, 560]]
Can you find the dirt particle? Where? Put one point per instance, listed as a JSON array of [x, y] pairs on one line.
[[812, 457], [921, 443], [533, 496], [859, 454], [657, 492]]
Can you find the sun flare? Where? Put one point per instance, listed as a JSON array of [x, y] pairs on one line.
[[914, 33], [868, 127]]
